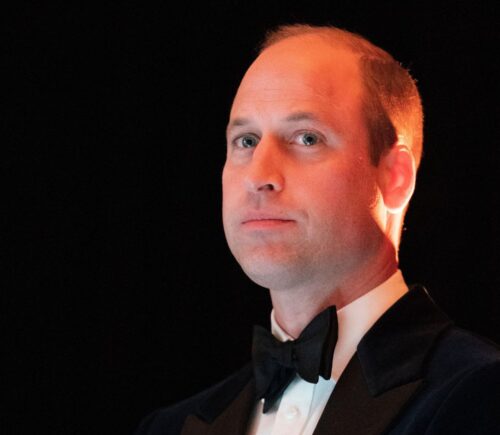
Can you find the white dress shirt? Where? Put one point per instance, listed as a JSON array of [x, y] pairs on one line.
[[302, 403]]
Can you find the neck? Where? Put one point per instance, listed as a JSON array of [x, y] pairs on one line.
[[294, 309]]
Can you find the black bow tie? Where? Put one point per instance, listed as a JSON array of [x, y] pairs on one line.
[[275, 363]]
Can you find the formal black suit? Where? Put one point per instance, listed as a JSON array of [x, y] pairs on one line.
[[414, 373]]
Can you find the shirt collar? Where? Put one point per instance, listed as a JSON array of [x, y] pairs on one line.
[[355, 319]]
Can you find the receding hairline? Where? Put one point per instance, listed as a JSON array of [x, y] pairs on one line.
[[332, 36]]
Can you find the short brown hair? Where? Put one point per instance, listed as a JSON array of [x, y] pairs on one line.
[[392, 103]]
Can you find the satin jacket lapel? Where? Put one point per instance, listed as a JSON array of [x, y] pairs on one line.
[[387, 369], [233, 420], [218, 416], [352, 410]]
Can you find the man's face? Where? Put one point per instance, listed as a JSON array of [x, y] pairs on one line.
[[300, 197]]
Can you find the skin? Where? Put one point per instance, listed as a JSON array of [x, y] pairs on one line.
[[305, 212]]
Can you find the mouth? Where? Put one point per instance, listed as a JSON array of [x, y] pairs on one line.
[[266, 223]]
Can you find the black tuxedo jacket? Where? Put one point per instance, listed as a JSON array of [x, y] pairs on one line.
[[413, 373]]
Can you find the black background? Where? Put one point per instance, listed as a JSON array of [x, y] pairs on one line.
[[121, 294]]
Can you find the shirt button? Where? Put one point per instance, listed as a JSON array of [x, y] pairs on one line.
[[291, 413]]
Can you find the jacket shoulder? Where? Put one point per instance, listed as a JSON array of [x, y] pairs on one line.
[[170, 420], [460, 351], [460, 390]]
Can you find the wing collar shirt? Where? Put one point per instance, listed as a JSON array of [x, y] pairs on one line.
[[302, 403]]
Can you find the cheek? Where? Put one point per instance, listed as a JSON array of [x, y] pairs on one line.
[[229, 191], [339, 196], [227, 182]]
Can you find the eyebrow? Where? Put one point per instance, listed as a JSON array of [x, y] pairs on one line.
[[294, 117], [238, 122], [301, 116]]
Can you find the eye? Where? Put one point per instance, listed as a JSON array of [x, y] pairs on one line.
[[309, 138], [247, 141]]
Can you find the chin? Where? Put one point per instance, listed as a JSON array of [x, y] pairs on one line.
[[272, 274]]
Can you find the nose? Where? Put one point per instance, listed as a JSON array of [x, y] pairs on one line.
[[265, 169]]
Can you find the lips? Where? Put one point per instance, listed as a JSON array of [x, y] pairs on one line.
[[264, 220], [264, 216]]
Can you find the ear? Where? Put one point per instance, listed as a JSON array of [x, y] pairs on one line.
[[397, 173]]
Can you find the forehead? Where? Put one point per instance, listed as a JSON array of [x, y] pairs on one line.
[[301, 73]]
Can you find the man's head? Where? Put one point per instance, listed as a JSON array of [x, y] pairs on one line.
[[321, 159]]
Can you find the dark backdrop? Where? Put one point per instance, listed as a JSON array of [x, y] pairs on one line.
[[121, 294]]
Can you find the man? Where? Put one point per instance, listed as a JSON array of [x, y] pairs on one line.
[[323, 143]]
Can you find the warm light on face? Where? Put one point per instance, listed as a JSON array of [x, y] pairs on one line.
[[300, 199]]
